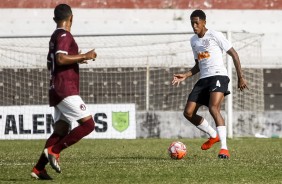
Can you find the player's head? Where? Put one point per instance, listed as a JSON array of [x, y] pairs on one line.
[[198, 21], [198, 13], [62, 12]]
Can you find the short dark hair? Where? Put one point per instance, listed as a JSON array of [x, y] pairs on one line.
[[62, 12], [198, 13]]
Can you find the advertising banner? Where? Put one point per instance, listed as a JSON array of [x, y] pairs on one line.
[[112, 121]]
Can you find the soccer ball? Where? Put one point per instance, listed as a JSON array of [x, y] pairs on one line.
[[177, 150]]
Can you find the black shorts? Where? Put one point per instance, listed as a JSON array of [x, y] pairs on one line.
[[202, 89]]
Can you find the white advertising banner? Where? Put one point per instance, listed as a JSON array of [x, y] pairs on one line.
[[112, 121]]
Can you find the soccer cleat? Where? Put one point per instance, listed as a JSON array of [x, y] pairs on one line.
[[40, 175], [223, 153], [210, 142], [53, 159]]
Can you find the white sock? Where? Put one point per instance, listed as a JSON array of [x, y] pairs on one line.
[[205, 127], [222, 136]]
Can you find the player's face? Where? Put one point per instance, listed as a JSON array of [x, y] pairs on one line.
[[198, 25]]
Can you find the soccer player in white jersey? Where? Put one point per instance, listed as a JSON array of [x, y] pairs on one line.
[[208, 46]]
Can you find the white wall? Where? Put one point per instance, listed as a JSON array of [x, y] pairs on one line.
[[18, 22], [173, 124]]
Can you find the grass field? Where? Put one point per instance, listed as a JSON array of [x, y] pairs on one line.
[[146, 161]]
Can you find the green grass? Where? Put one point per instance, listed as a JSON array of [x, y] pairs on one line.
[[146, 161]]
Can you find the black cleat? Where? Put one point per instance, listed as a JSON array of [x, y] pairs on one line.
[[40, 175]]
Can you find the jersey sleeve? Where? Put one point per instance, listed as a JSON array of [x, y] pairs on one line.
[[223, 43], [64, 41]]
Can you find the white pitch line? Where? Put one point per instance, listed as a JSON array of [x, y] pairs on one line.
[[14, 164]]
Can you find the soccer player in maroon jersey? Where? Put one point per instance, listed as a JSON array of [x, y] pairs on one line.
[[63, 63]]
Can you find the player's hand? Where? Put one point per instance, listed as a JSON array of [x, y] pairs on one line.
[[88, 55], [242, 83], [177, 78], [91, 55]]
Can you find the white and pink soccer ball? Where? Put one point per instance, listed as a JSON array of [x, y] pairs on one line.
[[177, 150]]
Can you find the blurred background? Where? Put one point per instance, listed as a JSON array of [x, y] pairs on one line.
[[140, 45]]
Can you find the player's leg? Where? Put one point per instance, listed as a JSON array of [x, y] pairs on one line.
[[200, 96], [86, 126], [214, 137], [219, 89], [190, 113], [216, 99], [73, 109], [61, 129]]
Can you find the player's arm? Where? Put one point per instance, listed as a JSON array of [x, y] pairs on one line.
[[177, 78], [49, 65], [242, 83], [63, 59]]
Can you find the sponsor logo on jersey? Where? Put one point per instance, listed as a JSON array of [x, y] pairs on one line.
[[206, 43], [203, 55]]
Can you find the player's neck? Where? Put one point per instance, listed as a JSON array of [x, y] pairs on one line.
[[64, 25], [202, 33]]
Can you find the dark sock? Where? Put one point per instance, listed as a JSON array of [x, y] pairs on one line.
[[75, 135], [43, 161]]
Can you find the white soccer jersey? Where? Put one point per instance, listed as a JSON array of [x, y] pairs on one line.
[[208, 51]]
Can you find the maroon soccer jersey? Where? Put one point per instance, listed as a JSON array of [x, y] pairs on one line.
[[64, 79]]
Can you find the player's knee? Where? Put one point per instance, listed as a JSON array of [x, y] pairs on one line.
[[89, 124], [188, 115], [61, 128], [214, 110]]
